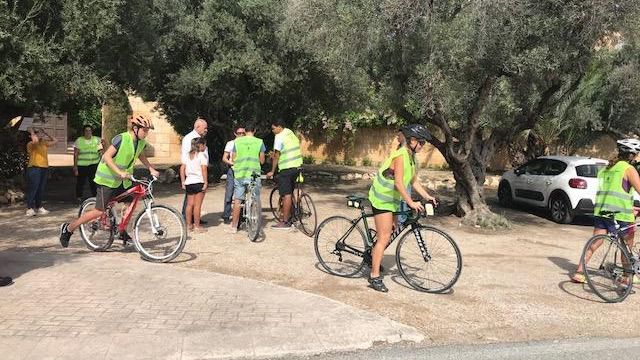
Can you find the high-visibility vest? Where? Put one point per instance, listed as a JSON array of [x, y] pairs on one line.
[[383, 194], [290, 156], [611, 196], [247, 149], [124, 160], [88, 152]]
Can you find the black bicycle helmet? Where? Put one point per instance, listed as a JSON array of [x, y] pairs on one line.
[[140, 120], [417, 131]]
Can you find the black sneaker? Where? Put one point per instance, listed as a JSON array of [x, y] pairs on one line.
[[6, 281], [226, 221], [65, 235], [126, 238], [377, 284]]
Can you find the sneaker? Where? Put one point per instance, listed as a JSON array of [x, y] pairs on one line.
[[6, 281], [31, 212], [281, 226], [231, 230], [43, 211], [377, 284], [224, 220], [126, 238], [65, 235]]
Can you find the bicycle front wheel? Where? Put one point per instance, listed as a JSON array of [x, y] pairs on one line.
[[428, 259], [275, 202], [254, 219], [607, 268], [306, 214], [340, 246], [97, 234], [160, 233]]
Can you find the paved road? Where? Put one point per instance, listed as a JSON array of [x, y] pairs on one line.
[[580, 349], [100, 306]]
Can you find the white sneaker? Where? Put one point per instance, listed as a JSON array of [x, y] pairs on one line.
[[31, 212], [43, 211]]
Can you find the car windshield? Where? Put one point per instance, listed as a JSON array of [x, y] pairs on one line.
[[589, 170]]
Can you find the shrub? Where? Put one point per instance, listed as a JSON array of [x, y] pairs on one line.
[[308, 159], [349, 162], [366, 162]]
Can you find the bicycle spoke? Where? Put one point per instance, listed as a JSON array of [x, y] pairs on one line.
[[339, 246], [161, 235]]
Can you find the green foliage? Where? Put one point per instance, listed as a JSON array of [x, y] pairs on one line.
[[349, 162], [12, 157], [115, 115], [308, 159], [366, 162]]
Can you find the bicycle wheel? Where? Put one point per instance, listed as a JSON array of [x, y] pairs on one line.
[[608, 270], [340, 246], [97, 234], [428, 259], [275, 202], [160, 233], [254, 218], [306, 215]]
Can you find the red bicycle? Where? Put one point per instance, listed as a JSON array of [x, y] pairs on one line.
[[159, 231]]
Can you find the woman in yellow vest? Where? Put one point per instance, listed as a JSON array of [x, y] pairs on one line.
[[389, 188], [87, 150], [616, 183], [114, 172]]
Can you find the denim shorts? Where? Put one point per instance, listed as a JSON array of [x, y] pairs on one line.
[[240, 187], [610, 226]]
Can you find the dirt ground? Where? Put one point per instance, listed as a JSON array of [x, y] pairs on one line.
[[513, 287]]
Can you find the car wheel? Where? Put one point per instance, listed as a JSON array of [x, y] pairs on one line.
[[560, 209], [504, 194]]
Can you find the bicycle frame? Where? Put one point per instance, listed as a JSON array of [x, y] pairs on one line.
[[137, 192], [399, 229]]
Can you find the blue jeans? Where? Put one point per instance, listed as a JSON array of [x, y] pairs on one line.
[[37, 180], [228, 195]]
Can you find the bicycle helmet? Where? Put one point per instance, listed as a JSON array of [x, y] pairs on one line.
[[140, 120], [417, 131], [631, 146]]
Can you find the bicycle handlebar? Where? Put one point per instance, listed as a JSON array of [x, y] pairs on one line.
[[143, 181]]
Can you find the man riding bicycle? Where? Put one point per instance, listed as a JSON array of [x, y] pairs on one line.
[[114, 172], [249, 155], [288, 159]]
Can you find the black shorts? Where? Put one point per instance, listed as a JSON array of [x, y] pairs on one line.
[[377, 211], [286, 180], [105, 193], [194, 188]]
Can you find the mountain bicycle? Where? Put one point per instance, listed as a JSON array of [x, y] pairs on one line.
[[159, 231], [427, 258], [303, 211], [610, 269], [251, 214]]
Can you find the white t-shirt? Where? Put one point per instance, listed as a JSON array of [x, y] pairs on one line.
[[193, 169], [229, 147], [278, 142], [186, 146]]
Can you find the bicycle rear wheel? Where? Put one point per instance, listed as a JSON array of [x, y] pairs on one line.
[[254, 218], [428, 259], [97, 234], [275, 202], [608, 270], [306, 215], [340, 246], [160, 234]]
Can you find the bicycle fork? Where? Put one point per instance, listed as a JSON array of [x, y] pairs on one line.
[[421, 244], [153, 218]]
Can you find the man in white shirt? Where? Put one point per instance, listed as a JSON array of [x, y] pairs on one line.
[[200, 127], [227, 158]]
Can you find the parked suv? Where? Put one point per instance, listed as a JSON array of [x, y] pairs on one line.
[[565, 185]]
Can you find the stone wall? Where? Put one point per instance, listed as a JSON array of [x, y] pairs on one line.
[[372, 144], [164, 141]]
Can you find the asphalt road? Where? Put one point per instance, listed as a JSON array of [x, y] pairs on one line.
[[579, 349]]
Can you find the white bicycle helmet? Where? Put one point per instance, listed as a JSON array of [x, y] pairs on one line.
[[629, 146]]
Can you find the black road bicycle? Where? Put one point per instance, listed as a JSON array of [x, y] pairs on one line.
[[426, 257], [303, 211]]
